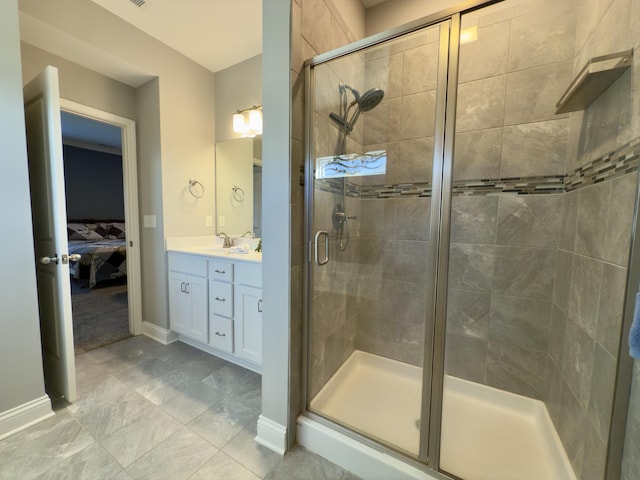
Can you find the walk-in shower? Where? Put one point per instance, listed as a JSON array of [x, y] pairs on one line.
[[472, 327]]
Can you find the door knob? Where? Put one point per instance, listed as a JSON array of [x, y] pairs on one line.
[[48, 260], [74, 257]]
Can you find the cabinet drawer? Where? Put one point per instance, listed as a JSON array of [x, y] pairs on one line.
[[221, 333], [249, 274], [191, 264], [221, 270], [221, 298]]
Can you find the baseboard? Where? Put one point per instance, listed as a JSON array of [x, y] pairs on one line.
[[25, 415], [272, 435], [159, 334]]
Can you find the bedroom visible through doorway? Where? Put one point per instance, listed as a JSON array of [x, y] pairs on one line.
[[97, 231]]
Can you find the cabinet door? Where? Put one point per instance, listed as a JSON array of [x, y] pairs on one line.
[[248, 323], [179, 305], [188, 312], [197, 293]]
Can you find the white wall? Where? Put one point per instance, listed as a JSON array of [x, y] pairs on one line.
[[21, 377], [394, 13]]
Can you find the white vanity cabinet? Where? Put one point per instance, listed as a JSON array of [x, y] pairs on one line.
[[188, 309], [248, 312], [216, 301]]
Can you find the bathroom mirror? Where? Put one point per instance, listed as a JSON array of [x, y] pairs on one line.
[[239, 186]]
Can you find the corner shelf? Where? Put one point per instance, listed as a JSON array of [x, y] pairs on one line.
[[594, 78]]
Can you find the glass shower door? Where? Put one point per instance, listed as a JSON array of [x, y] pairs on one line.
[[374, 129]]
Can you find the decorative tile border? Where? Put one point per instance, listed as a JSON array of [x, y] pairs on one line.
[[621, 162]]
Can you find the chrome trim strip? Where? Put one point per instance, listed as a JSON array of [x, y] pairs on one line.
[[442, 15], [624, 367], [434, 245]]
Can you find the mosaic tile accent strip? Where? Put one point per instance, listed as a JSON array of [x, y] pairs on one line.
[[623, 161]]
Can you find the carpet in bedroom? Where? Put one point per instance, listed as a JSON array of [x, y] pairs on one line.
[[100, 315]]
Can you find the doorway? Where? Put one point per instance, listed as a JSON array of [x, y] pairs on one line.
[[106, 289]]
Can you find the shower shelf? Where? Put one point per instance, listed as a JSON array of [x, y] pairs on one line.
[[594, 78]]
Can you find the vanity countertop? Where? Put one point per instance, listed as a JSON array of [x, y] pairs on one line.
[[210, 246], [218, 252]]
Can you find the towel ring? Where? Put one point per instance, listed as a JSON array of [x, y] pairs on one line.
[[238, 194], [192, 184]]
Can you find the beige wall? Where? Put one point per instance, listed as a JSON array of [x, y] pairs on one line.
[[182, 144], [21, 374]]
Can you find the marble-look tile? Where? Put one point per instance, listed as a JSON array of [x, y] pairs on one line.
[[516, 369], [631, 456], [385, 72], [584, 292], [233, 380], [415, 160], [471, 266], [412, 218], [410, 261], [468, 313], [562, 280], [244, 450], [542, 37], [529, 221], [620, 219], [177, 458], [556, 335], [191, 402], [477, 154], [221, 422], [465, 357], [301, 464], [601, 395], [40, 448], [406, 343], [178, 353], [92, 463], [521, 322], [418, 113], [377, 218], [481, 104], [130, 442], [534, 149], [162, 389], [144, 372], [487, 56], [525, 272], [593, 215], [572, 428], [316, 25], [577, 365], [122, 476], [105, 417], [610, 307], [223, 467], [532, 94], [595, 455], [554, 389], [382, 124], [420, 69], [474, 219], [569, 221]]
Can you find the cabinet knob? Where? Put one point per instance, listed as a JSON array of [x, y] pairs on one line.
[[220, 334], [220, 299], [260, 305], [220, 271]]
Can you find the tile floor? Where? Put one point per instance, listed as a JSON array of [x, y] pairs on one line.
[[150, 411]]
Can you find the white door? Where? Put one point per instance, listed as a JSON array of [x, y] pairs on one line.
[[46, 177]]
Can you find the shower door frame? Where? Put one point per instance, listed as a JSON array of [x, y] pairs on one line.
[[436, 292]]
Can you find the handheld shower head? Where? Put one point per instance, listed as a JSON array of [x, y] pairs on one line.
[[370, 99], [363, 103]]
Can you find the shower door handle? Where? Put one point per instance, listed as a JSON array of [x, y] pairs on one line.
[[318, 260]]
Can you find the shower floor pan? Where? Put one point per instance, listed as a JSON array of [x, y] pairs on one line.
[[487, 434]]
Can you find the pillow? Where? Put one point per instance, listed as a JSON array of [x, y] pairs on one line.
[[80, 231], [116, 231], [101, 229]]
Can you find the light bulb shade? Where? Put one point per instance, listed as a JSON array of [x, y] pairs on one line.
[[239, 125], [255, 121]]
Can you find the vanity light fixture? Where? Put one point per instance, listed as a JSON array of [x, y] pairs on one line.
[[248, 122]]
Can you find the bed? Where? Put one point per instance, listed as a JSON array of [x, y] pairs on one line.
[[102, 246]]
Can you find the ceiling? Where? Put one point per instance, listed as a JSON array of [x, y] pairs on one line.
[[214, 33]]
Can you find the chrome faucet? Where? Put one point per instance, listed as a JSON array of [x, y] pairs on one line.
[[227, 240]]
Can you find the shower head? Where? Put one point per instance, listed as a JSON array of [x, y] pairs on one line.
[[370, 99], [363, 103]]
